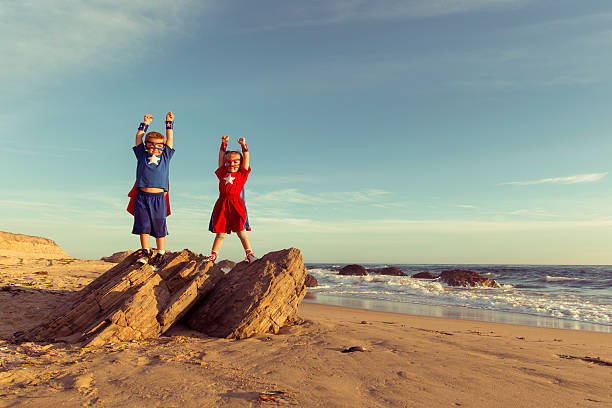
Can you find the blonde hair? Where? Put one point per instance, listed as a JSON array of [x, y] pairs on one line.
[[232, 152], [154, 135]]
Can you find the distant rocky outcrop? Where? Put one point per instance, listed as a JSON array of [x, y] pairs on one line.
[[459, 277], [253, 298], [117, 257], [35, 246], [311, 281], [353, 269], [226, 264], [424, 275], [389, 270], [131, 301]]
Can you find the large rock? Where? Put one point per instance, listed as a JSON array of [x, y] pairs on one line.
[[424, 275], [131, 301], [356, 270], [311, 281], [388, 270], [253, 298], [459, 277], [117, 257]]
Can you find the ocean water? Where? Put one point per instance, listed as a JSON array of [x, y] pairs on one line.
[[560, 296]]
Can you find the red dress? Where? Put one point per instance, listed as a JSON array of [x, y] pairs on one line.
[[229, 213]]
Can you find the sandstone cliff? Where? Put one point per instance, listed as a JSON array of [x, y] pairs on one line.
[[29, 246]]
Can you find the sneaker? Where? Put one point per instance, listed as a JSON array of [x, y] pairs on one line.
[[158, 260], [211, 258], [143, 256], [250, 257]]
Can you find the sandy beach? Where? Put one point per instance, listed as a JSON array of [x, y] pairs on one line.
[[407, 361], [312, 204]]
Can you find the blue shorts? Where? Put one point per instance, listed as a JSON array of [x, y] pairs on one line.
[[150, 214]]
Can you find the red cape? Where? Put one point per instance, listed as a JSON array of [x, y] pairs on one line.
[[132, 195]]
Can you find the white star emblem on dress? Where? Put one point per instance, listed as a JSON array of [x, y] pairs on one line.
[[153, 159], [229, 179]]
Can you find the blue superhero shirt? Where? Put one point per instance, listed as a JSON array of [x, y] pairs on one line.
[[152, 171]]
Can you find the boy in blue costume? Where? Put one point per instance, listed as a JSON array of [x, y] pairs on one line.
[[150, 206]]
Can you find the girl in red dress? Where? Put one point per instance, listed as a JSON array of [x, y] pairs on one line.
[[229, 214]]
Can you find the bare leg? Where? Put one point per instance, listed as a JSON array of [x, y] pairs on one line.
[[161, 243], [218, 241], [246, 244], [145, 240], [244, 239]]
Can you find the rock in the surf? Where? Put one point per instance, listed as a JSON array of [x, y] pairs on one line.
[[459, 277], [311, 281], [424, 275], [388, 270], [353, 269]]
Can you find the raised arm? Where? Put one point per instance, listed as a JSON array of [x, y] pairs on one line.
[[142, 129], [245, 153], [222, 149], [170, 130]]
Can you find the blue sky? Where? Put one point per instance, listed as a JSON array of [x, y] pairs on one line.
[[417, 131]]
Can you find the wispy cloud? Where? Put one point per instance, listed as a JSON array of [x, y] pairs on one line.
[[392, 204], [193, 197], [403, 226], [578, 178], [294, 196], [57, 205], [322, 12], [32, 204], [534, 213], [555, 52], [275, 180], [47, 151], [516, 62], [44, 39]]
